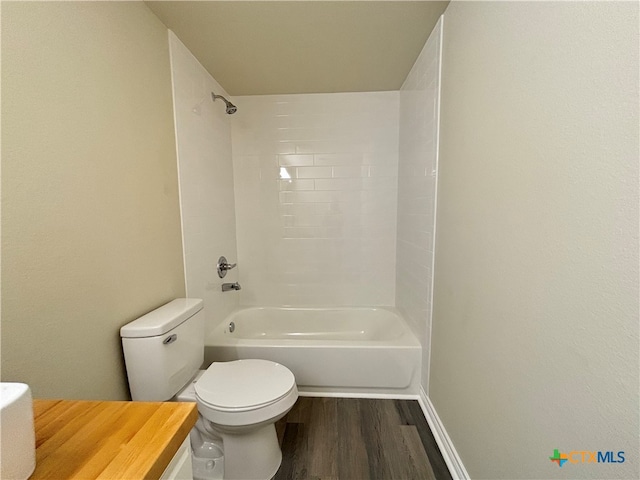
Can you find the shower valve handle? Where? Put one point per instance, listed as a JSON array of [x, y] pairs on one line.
[[224, 266]]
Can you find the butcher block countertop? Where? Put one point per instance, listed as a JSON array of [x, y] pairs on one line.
[[108, 440]]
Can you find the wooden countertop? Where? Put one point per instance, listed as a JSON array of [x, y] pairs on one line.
[[108, 440]]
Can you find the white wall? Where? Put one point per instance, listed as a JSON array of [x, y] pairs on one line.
[[417, 169], [326, 235], [205, 170], [535, 328]]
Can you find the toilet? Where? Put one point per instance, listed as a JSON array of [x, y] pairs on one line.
[[238, 402]]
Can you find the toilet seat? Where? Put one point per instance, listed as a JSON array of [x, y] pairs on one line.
[[243, 385], [245, 393]]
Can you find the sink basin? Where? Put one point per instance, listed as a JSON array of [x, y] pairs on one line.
[[18, 442]]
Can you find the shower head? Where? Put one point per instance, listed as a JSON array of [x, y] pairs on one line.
[[231, 108]]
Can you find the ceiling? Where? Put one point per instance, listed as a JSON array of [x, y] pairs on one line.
[[275, 47]]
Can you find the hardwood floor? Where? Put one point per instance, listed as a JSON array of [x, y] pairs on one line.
[[357, 439]]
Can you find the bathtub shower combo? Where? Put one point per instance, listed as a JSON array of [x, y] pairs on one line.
[[331, 351], [345, 351]]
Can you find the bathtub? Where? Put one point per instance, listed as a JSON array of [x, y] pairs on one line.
[[367, 352]]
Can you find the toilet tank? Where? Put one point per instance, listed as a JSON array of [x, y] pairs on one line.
[[164, 349]]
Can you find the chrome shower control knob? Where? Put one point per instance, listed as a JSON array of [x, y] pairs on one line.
[[224, 266]]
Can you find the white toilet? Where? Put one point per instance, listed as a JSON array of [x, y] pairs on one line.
[[239, 402]]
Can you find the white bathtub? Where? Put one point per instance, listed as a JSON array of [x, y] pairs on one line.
[[332, 351]]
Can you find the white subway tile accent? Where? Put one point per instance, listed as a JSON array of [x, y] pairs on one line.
[[350, 172], [296, 185], [313, 172], [336, 159], [326, 235], [338, 184], [295, 160]]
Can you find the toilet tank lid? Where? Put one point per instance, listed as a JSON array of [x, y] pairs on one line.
[[162, 319]]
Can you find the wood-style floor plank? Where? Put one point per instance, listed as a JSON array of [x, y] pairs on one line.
[[416, 454], [353, 460], [294, 453], [374, 435], [323, 438], [428, 441], [353, 439], [301, 411]]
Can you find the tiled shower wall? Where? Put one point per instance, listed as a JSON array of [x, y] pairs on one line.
[[417, 170], [205, 171], [316, 198]]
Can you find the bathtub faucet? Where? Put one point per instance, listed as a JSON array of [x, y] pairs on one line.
[[230, 286]]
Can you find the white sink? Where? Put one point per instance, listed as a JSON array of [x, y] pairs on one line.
[[18, 442]]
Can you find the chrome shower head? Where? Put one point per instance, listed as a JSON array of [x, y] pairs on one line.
[[231, 108]]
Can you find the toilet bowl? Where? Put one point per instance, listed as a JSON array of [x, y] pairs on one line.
[[238, 402]]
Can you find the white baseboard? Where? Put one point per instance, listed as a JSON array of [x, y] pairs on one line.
[[342, 394], [449, 453]]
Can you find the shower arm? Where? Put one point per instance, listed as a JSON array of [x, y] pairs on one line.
[[231, 108]]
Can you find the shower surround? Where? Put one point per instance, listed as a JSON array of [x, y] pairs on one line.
[[315, 192], [328, 198]]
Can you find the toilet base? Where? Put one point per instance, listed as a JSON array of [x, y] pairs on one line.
[[207, 458], [253, 455]]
